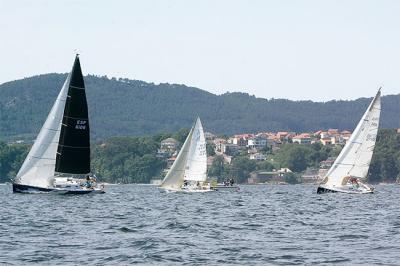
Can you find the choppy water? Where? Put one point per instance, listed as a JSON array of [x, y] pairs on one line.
[[261, 225]]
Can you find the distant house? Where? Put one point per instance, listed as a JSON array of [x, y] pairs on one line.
[[326, 141], [303, 138], [258, 157], [241, 140], [333, 132], [327, 163], [282, 135], [163, 154], [260, 176], [169, 144], [345, 136], [209, 135], [229, 149], [218, 144], [257, 142]]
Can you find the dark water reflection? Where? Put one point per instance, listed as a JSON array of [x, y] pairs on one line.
[[261, 225]]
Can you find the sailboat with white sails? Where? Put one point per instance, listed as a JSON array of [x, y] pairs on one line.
[[61, 152], [352, 164], [189, 171]]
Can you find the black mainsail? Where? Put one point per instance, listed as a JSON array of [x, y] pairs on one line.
[[73, 152]]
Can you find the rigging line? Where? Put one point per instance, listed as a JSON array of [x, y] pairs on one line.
[[41, 158], [79, 88], [74, 147], [51, 129], [78, 118]]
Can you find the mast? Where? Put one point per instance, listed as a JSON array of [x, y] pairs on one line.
[[73, 152]]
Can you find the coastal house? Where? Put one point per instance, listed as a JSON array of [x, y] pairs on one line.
[[303, 138], [229, 149], [275, 177], [258, 157], [257, 142], [169, 144], [209, 135], [326, 141], [218, 142], [241, 140]]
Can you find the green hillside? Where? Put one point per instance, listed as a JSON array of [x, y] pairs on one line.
[[130, 107]]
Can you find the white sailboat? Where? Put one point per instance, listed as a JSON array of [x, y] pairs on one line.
[[189, 171], [351, 166], [61, 152]]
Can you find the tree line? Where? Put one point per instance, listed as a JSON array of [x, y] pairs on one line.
[[121, 107], [135, 160]]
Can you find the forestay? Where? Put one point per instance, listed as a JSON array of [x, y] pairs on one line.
[[356, 155]]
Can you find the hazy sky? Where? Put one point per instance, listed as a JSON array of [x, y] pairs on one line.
[[317, 50]]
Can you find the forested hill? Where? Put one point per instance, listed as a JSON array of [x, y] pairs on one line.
[[131, 107]]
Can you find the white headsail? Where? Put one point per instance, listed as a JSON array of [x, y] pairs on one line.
[[354, 159], [191, 162], [38, 167]]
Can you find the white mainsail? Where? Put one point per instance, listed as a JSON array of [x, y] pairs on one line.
[[191, 162], [356, 155], [38, 167], [196, 165]]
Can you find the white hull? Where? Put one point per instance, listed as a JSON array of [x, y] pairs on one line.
[[345, 189], [172, 190], [19, 188]]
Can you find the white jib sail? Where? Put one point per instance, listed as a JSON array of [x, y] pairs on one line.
[[38, 167], [196, 165], [191, 162], [175, 176], [356, 155]]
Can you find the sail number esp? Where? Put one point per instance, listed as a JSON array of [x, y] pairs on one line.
[[80, 124]]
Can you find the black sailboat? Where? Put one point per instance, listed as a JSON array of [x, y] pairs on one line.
[[61, 151]]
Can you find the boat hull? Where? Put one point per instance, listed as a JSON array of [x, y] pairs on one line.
[[323, 190], [226, 188], [172, 190], [19, 188]]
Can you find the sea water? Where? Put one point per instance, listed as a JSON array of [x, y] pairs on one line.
[[260, 225]]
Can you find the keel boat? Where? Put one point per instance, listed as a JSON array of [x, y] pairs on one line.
[[189, 171], [59, 160], [351, 166]]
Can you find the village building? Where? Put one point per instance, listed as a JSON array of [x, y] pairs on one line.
[[218, 144], [209, 135], [257, 142], [240, 140], [258, 157], [169, 144], [303, 138], [275, 177], [229, 149]]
